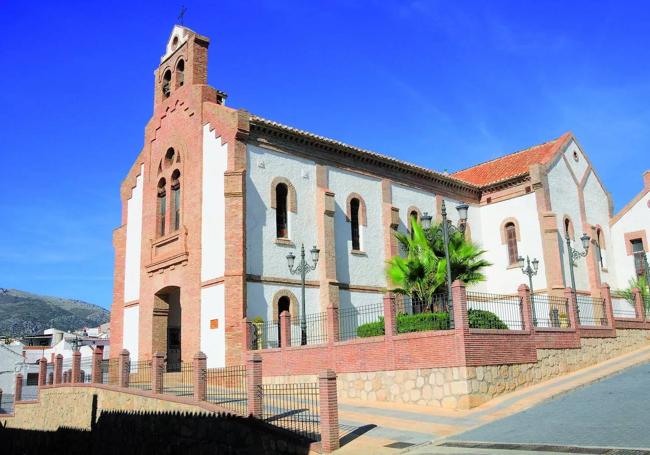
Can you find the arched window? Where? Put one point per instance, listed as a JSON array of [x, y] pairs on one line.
[[166, 85], [176, 200], [180, 73], [281, 225], [414, 216], [599, 248], [568, 228], [511, 240], [354, 223], [162, 207], [169, 156]]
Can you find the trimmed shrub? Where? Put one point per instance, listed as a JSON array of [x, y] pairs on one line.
[[422, 322], [482, 319], [371, 329]]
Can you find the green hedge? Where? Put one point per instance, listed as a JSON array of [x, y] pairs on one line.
[[407, 323], [482, 319]]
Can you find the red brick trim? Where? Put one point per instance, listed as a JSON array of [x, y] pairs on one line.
[[363, 220], [292, 198], [629, 236], [212, 282]]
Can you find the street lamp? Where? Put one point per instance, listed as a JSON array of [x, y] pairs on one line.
[[575, 255], [303, 268], [526, 269], [448, 228]]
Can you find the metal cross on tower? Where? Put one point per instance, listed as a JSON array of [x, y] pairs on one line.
[[182, 14]]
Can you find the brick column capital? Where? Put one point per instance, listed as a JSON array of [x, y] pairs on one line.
[[42, 372], [200, 376], [329, 411]]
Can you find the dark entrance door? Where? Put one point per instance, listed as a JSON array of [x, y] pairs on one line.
[[174, 349]]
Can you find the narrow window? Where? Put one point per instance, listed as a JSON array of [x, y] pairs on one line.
[[162, 207], [176, 200], [354, 223], [413, 217], [567, 227], [639, 256], [599, 248], [511, 239], [166, 85], [281, 192], [180, 73]]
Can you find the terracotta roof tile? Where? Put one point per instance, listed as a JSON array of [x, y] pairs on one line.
[[511, 165]]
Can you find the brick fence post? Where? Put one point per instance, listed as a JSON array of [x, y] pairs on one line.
[[18, 388], [459, 298], [333, 329], [285, 330], [96, 377], [50, 378], [390, 316], [572, 303], [200, 378], [609, 309], [42, 372], [157, 372], [76, 367], [329, 411], [638, 304], [64, 380], [254, 384], [124, 367], [528, 320], [58, 369]]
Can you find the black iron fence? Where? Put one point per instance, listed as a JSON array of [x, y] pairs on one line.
[[315, 329], [226, 387], [110, 372], [264, 335], [86, 369], [140, 375], [6, 404], [591, 311], [623, 305], [179, 379], [550, 311], [294, 407], [351, 319], [494, 311], [417, 315]]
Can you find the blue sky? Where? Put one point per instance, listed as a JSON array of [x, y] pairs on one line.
[[445, 84]]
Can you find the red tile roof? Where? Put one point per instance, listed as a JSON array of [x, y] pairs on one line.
[[511, 165]]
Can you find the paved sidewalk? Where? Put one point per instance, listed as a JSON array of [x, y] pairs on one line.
[[390, 428]]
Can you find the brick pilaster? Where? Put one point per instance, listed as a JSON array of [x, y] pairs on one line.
[[200, 376], [329, 411], [326, 235], [254, 384], [333, 328], [124, 366], [157, 372], [527, 310], [390, 316], [18, 388], [76, 367], [58, 369], [96, 375], [285, 329], [609, 309], [42, 372]]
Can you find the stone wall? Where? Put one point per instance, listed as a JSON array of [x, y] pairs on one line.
[[466, 387]]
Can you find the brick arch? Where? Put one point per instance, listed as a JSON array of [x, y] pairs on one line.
[[292, 199], [363, 221], [293, 303], [502, 230]]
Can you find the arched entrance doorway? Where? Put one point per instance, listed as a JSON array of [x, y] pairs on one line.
[[284, 304], [166, 330]]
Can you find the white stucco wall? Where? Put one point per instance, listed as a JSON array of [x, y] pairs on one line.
[[265, 257], [404, 198], [260, 299], [131, 331], [597, 211], [213, 341], [133, 241], [501, 278], [580, 166], [355, 299], [565, 201], [635, 219], [215, 162], [367, 269]]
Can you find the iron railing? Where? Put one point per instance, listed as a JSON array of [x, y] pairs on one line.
[[623, 305], [316, 328], [646, 304], [294, 407], [350, 319], [140, 375], [6, 404], [415, 315], [110, 372], [550, 311], [226, 387], [494, 311], [591, 311], [264, 335], [49, 373], [179, 380], [86, 369]]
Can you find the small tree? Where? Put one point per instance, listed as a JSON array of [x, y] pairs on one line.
[[642, 285]]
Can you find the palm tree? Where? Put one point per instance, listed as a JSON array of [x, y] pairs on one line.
[[421, 272]]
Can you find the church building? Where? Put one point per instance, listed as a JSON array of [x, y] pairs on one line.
[[218, 197]]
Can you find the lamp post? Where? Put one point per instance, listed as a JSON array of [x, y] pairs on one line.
[[303, 268], [575, 255], [447, 229], [526, 269]]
